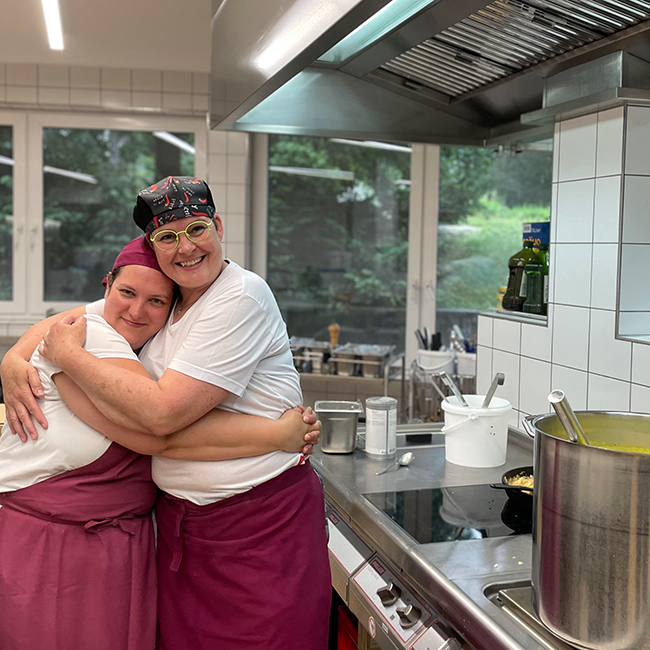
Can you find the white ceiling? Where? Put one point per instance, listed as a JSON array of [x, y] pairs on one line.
[[155, 34]]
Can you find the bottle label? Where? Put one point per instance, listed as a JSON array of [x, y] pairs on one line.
[[545, 298], [523, 290], [381, 432]]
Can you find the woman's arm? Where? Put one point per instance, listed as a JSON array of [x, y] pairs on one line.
[[21, 385], [218, 435], [126, 397]]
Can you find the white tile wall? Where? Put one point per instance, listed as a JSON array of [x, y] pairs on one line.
[[483, 369], [577, 157], [636, 146], [536, 340], [641, 364], [609, 148], [484, 332], [635, 271], [607, 206], [578, 351], [506, 336], [571, 336], [508, 364], [572, 276], [110, 89], [607, 355], [604, 271], [535, 386], [575, 212], [640, 399], [606, 394], [573, 383], [636, 206]]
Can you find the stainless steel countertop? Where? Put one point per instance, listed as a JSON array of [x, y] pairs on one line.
[[453, 576]]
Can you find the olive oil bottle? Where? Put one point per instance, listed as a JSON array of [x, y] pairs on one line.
[[515, 298]]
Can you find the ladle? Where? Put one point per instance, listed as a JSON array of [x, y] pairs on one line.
[[403, 461], [499, 380], [449, 382], [567, 417]]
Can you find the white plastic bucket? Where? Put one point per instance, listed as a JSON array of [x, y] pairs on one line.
[[437, 361], [474, 436]]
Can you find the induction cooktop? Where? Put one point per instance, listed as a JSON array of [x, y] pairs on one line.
[[455, 513]]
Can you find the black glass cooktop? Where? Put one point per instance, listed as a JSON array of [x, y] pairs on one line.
[[455, 514]]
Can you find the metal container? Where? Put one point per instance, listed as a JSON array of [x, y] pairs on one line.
[[381, 427], [339, 432], [591, 531]]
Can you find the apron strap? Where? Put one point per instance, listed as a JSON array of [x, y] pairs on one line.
[[177, 554]]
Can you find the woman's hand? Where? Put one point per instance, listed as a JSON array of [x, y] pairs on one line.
[[21, 387], [301, 430], [63, 338]]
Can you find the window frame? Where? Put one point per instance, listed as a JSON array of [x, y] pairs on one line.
[[18, 304], [30, 257], [423, 232]]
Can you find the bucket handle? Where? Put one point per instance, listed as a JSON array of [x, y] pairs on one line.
[[446, 429], [529, 428]]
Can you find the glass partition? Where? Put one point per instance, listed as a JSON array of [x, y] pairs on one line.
[[338, 237], [90, 181], [485, 198]]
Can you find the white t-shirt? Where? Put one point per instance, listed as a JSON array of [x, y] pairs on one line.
[[68, 443], [232, 337]]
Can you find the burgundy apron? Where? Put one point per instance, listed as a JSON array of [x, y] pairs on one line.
[[77, 559], [248, 572]]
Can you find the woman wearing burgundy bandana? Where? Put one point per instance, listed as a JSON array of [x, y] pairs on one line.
[[242, 551], [76, 537]]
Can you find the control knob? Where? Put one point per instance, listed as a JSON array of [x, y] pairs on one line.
[[408, 616], [389, 594]]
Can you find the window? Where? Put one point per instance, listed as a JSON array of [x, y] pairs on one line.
[[68, 183], [485, 197], [338, 237], [90, 180]]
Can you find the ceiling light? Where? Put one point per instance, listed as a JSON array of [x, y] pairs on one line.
[[53, 23], [373, 145], [391, 16], [78, 176], [175, 140], [337, 174]]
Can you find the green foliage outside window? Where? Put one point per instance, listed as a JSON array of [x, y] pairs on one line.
[[6, 212], [85, 223]]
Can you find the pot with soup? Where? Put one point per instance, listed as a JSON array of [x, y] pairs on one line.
[[591, 530]]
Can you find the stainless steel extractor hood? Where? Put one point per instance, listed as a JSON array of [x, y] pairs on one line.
[[444, 71]]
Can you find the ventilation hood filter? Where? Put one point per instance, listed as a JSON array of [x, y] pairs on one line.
[[507, 36]]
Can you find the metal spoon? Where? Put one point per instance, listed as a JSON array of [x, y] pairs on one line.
[[499, 380], [567, 417], [402, 461], [449, 382]]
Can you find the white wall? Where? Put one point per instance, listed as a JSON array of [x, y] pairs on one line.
[[578, 350]]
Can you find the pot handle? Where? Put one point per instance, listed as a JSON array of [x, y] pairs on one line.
[[528, 426]]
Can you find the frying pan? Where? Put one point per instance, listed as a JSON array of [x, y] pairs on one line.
[[521, 497]]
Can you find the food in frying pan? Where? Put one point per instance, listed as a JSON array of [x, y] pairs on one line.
[[521, 480]]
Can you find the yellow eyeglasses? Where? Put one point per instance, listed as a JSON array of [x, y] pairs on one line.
[[196, 232]]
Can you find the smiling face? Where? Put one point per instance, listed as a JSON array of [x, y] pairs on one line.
[[138, 303], [193, 266]]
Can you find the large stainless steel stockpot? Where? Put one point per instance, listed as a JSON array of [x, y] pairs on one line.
[[591, 531]]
